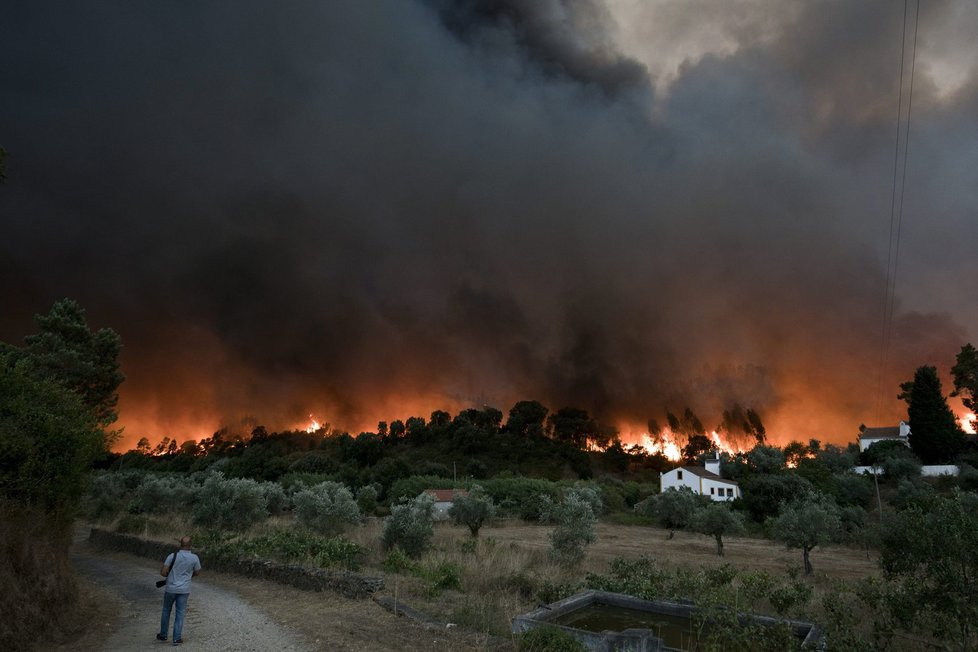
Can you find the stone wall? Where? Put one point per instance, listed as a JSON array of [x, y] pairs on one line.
[[346, 583]]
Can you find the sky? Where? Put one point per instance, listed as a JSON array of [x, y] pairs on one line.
[[372, 210]]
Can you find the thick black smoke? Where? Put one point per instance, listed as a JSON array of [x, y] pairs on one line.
[[357, 209]]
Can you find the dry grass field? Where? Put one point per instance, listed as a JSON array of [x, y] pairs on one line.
[[691, 550]]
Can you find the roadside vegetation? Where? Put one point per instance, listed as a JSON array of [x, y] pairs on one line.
[[57, 403]]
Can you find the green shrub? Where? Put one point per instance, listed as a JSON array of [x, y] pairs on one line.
[[158, 494], [410, 525], [548, 639], [522, 497], [325, 508], [106, 492], [574, 516], [397, 562], [296, 481], [755, 586], [790, 596], [640, 577], [408, 488], [230, 503], [468, 546], [367, 496], [287, 546], [549, 591], [441, 577], [276, 501]]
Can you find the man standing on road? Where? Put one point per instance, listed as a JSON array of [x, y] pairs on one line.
[[178, 568]]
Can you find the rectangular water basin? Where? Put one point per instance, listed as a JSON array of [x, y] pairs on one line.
[[614, 622]]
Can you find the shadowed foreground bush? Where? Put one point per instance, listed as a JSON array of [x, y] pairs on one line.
[[549, 639], [37, 587]]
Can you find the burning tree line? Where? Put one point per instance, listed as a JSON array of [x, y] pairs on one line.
[[683, 438]]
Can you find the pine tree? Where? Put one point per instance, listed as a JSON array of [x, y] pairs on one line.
[[965, 374], [934, 433]]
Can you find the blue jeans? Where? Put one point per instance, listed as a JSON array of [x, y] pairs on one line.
[[168, 600]]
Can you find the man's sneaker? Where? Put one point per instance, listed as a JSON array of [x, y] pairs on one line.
[[160, 637], [179, 641]]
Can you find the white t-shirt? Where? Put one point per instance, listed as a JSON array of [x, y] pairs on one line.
[[181, 571]]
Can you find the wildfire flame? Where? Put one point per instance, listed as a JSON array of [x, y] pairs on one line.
[[968, 423], [665, 446], [314, 426], [670, 445]]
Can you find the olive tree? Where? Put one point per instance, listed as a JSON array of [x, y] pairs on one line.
[[673, 508], [717, 520], [325, 507], [806, 522], [410, 525], [472, 509], [574, 516]]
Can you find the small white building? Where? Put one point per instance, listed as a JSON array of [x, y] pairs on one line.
[[870, 436], [444, 499], [703, 480]]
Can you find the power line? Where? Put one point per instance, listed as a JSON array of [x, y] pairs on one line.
[[896, 207]]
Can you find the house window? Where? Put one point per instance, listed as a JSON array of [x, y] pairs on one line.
[[679, 475], [730, 492], [711, 491]]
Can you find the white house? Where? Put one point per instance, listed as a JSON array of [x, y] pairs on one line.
[[444, 499], [703, 480], [870, 436]]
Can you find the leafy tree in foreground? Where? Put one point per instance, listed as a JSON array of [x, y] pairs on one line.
[[933, 555], [807, 522], [472, 510], [87, 363], [673, 508], [934, 433], [47, 440], [717, 520]]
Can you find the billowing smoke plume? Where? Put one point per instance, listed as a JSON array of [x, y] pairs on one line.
[[376, 209]]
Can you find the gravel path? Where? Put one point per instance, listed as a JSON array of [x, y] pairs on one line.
[[217, 619]]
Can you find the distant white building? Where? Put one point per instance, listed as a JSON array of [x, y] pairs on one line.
[[444, 499], [703, 480], [870, 436]]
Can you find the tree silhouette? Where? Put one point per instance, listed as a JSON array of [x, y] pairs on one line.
[[934, 433]]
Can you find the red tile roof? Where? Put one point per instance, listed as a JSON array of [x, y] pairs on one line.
[[445, 495]]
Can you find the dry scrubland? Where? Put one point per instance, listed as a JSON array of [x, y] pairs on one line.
[[489, 596]]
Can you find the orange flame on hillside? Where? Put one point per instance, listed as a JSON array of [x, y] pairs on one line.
[[968, 423], [314, 426], [670, 445]]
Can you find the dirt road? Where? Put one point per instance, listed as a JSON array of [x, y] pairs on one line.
[[217, 618], [227, 612]]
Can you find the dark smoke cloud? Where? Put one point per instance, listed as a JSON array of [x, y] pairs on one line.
[[362, 209]]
